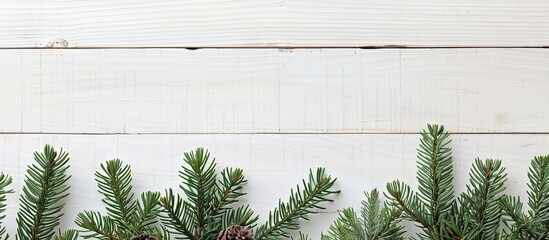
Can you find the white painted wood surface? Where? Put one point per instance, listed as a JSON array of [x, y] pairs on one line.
[[272, 91], [274, 112], [262, 23], [273, 163]]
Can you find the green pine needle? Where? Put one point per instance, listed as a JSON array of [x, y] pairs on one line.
[[207, 206], [475, 214], [435, 174], [302, 236], [301, 203], [200, 185], [376, 222], [178, 215], [5, 181], [115, 185], [126, 216], [148, 208], [97, 226], [403, 198], [435, 193], [67, 235], [535, 223], [538, 188], [229, 190], [485, 188], [242, 216], [41, 199]]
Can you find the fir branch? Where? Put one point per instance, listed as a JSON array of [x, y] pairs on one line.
[[376, 222], [434, 173], [163, 233], [45, 187], [67, 235], [538, 187], [300, 204], [115, 185], [430, 205], [199, 185], [242, 216], [487, 179], [390, 228], [206, 209], [229, 190], [403, 198], [5, 181], [381, 223], [147, 211], [370, 214], [535, 224], [178, 215], [346, 226], [458, 225], [97, 226], [302, 236], [126, 216], [512, 211]]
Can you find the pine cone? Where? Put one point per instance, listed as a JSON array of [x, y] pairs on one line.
[[236, 232], [144, 237]]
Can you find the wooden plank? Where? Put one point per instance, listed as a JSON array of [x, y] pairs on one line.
[[272, 163], [348, 23], [270, 91]]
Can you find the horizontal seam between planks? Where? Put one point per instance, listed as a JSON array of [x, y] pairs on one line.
[[268, 133], [281, 47]]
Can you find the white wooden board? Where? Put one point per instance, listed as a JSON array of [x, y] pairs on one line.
[[272, 163], [272, 91], [261, 23]]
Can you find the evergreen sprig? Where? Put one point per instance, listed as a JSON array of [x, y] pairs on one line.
[[476, 214], [208, 205], [5, 181], [486, 185], [473, 215], [434, 199], [241, 215], [302, 236], [434, 173], [40, 201], [535, 223], [207, 208], [301, 203], [126, 216], [70, 234], [375, 222]]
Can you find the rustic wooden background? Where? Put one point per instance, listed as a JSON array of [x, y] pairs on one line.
[[274, 87]]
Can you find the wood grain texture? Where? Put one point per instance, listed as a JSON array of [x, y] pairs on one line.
[[271, 91], [272, 163], [224, 23]]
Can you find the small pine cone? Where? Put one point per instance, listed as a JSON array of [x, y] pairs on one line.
[[144, 237], [236, 232]]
